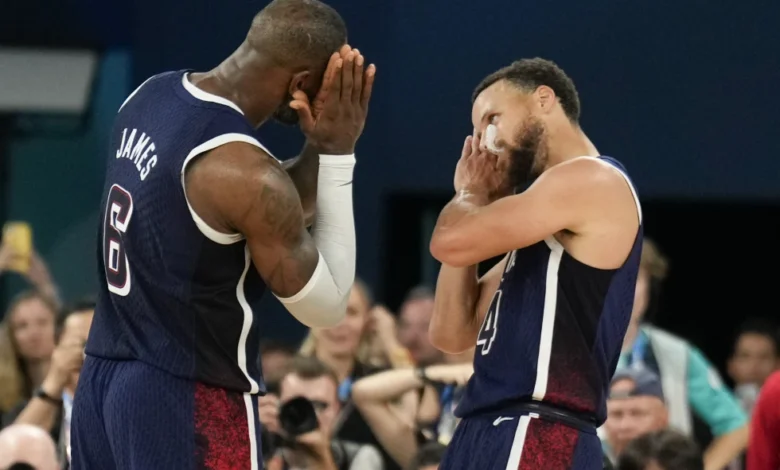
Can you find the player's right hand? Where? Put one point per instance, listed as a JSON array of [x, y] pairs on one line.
[[334, 121], [479, 171]]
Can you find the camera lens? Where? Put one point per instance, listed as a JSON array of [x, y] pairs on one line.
[[297, 417]]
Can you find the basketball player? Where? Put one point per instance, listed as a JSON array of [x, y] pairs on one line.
[[548, 321], [198, 219]]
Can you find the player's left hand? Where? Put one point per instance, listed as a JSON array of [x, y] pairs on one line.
[[334, 120], [479, 171]]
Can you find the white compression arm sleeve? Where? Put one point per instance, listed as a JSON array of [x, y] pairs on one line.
[[323, 300]]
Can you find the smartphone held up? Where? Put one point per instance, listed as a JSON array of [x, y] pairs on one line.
[[17, 237]]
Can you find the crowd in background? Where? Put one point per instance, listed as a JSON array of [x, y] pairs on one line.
[[385, 398]]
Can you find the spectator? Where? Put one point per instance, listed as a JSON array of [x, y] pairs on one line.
[[348, 344], [23, 444], [275, 357], [414, 316], [386, 350], [26, 345], [755, 356], [764, 450], [311, 379], [661, 450], [428, 457], [635, 407], [377, 398], [50, 407], [347, 350], [692, 386]]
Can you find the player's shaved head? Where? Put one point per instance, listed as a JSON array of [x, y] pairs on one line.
[[287, 50], [298, 33]]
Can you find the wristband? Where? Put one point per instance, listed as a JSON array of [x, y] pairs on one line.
[[41, 393], [422, 376]]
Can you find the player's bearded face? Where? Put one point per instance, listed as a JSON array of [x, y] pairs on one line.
[[285, 114], [527, 155]]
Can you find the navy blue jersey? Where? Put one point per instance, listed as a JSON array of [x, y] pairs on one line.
[[174, 292], [554, 330]]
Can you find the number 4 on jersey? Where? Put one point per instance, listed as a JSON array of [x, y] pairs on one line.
[[119, 211], [487, 334]]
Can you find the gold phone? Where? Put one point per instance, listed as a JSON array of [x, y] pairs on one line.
[[18, 236]]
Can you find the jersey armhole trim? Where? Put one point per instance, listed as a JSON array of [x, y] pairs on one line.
[[208, 231], [631, 188], [628, 182], [130, 97]]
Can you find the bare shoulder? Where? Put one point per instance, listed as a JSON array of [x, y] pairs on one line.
[[586, 183], [605, 209], [230, 184], [585, 173]]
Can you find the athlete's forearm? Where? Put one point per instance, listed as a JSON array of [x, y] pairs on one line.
[[303, 171], [322, 301], [451, 234], [454, 326], [725, 449]]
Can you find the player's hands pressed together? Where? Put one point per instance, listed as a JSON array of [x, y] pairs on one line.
[[334, 120], [480, 172]]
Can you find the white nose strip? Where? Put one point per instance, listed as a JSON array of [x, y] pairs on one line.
[[490, 139]]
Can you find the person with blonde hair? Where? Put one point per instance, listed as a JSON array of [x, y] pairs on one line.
[[27, 338], [360, 345]]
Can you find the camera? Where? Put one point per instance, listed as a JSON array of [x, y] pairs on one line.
[[296, 417]]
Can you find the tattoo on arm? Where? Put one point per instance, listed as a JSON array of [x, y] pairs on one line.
[[289, 256]]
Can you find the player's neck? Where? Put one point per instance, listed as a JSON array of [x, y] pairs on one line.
[[567, 141], [342, 366], [236, 79]]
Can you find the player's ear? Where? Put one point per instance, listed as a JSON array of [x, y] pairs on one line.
[[545, 98], [299, 81]]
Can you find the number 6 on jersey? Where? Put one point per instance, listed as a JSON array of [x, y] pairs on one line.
[[119, 210]]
